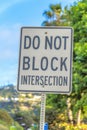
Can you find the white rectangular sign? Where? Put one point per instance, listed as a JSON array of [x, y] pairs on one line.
[[45, 59]]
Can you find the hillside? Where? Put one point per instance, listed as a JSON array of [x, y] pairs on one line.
[[8, 91], [23, 107], [6, 121]]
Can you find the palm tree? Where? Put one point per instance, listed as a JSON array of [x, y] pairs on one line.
[[53, 16]]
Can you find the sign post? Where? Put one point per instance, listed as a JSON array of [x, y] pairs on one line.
[[42, 112], [45, 62]]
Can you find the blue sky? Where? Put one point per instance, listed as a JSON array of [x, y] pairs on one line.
[[13, 15]]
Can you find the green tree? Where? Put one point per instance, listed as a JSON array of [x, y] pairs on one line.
[[80, 78], [75, 16]]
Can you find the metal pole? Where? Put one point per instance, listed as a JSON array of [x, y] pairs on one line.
[[42, 112]]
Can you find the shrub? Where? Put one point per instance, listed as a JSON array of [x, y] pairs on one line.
[[4, 116]]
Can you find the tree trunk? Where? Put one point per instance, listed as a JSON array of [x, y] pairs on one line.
[[79, 117], [69, 111]]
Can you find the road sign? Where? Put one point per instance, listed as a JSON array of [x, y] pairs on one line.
[[45, 59]]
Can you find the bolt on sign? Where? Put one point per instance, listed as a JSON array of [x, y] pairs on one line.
[[45, 59]]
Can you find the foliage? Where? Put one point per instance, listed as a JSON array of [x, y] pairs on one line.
[[34, 127], [6, 121], [76, 16], [54, 101], [54, 118], [25, 117], [53, 16], [19, 127], [79, 92], [4, 116]]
